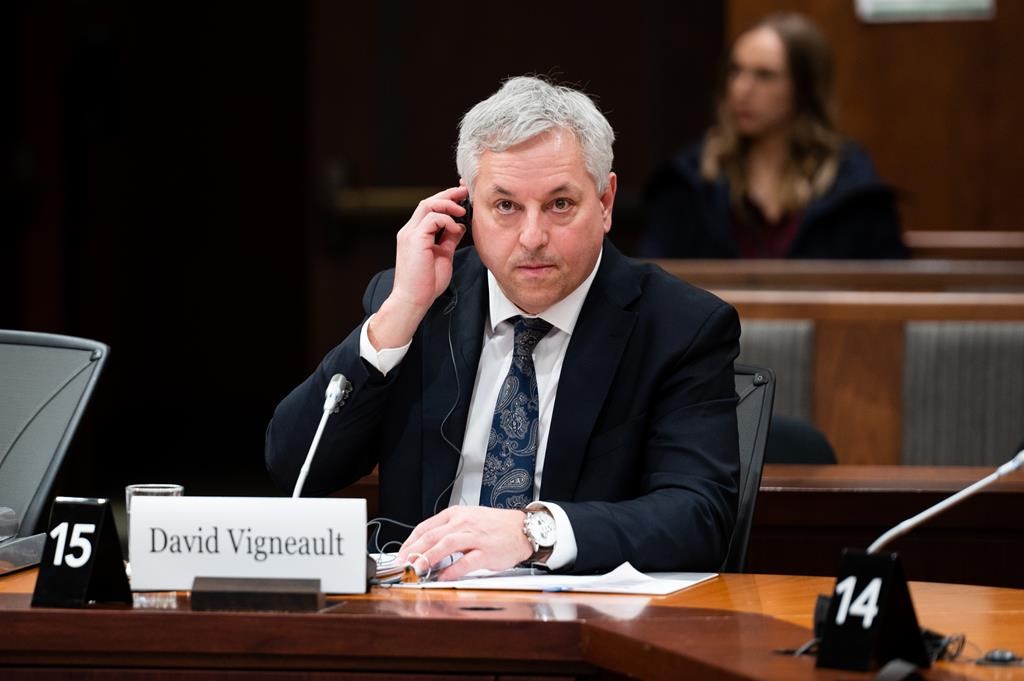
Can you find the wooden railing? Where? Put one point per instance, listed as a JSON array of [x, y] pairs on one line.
[[857, 275], [965, 244]]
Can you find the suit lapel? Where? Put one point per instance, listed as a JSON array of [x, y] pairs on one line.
[[445, 382], [595, 349]]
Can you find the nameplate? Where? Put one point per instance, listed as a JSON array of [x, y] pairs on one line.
[[173, 540]]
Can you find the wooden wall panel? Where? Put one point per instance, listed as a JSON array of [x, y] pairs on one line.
[[938, 104], [862, 418]]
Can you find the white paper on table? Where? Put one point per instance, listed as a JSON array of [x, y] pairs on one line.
[[624, 579]]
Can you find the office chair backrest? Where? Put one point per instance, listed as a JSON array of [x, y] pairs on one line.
[[45, 383], [755, 387]]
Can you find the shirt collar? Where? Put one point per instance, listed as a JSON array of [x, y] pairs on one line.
[[562, 315]]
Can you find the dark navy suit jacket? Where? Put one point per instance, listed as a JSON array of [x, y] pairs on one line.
[[642, 449]]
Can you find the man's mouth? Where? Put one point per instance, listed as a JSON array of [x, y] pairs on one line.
[[535, 267]]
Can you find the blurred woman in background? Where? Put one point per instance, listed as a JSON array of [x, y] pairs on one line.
[[773, 178]]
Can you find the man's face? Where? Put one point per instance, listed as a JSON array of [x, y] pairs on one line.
[[538, 221], [760, 90]]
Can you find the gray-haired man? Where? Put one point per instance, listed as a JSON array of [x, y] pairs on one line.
[[538, 396]]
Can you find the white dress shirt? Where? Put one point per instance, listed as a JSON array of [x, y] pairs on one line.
[[495, 360]]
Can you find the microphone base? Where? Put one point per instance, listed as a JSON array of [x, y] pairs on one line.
[[249, 594]]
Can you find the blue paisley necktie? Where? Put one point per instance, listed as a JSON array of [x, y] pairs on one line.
[[512, 443]]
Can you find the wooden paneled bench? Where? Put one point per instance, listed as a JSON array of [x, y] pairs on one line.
[[875, 359]]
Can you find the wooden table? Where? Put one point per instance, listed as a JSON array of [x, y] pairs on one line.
[[724, 629]]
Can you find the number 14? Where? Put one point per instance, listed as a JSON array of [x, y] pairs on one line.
[[866, 605]]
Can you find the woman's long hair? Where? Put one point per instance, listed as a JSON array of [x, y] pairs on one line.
[[814, 142]]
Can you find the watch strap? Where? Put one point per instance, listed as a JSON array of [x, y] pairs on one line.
[[541, 554]]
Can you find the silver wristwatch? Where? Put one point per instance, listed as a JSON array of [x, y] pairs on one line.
[[539, 528]]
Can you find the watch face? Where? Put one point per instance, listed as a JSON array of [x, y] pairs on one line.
[[542, 528]]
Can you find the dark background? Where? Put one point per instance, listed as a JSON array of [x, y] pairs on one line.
[[171, 168], [171, 172]]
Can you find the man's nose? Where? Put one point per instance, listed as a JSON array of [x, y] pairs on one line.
[[533, 233]]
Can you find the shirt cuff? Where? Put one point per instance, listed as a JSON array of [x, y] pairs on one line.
[[382, 360], [564, 550]]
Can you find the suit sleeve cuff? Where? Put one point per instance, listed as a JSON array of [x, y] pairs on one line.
[[382, 360], [564, 551]]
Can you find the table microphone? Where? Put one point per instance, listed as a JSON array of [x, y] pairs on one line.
[[869, 620], [338, 391], [910, 523]]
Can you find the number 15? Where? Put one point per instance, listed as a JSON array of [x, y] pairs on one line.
[[78, 541]]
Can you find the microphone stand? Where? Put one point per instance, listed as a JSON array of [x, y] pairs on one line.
[[337, 392], [910, 523]]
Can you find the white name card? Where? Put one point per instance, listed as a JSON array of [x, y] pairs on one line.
[[173, 540]]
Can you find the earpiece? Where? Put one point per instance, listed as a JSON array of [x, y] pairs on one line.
[[467, 219], [458, 396]]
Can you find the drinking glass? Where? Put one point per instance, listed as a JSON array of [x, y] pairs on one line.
[[152, 599], [145, 490]]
